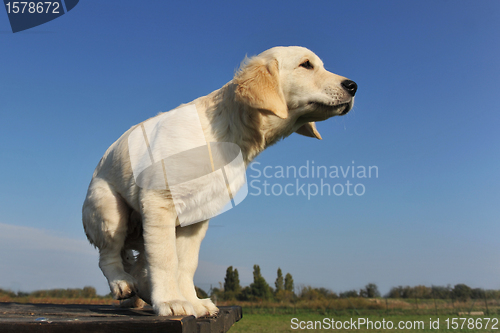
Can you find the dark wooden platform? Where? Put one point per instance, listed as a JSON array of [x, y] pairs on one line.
[[15, 317]]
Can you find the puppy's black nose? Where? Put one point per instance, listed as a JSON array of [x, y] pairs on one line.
[[350, 86]]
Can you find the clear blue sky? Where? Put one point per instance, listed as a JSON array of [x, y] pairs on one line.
[[427, 114]]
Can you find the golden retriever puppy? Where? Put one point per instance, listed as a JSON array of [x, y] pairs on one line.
[[281, 91]]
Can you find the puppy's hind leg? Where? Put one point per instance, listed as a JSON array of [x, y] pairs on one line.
[[105, 219], [137, 268]]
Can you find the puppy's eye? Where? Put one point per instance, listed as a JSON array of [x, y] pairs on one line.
[[307, 65]]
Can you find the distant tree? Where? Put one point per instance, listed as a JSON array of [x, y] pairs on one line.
[[477, 293], [309, 293], [200, 293], [370, 291], [216, 294], [231, 284], [236, 278], [441, 292], [395, 292], [86, 292], [284, 287], [245, 294], [259, 288], [422, 292], [8, 293], [462, 292], [492, 294], [289, 283], [279, 283], [349, 293], [327, 293], [89, 292]]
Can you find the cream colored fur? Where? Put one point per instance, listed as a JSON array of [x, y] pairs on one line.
[[272, 95]]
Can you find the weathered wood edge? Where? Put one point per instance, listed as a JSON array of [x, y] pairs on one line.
[[53, 318]]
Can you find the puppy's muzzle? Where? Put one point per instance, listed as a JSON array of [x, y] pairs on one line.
[[350, 87]]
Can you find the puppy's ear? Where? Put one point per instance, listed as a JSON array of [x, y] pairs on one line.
[[309, 129], [259, 86]]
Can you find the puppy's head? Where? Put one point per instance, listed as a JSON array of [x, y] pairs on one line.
[[291, 83]]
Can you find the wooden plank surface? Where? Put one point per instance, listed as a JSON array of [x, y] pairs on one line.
[[53, 318]]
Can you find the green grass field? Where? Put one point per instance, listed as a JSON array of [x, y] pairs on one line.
[[257, 323]]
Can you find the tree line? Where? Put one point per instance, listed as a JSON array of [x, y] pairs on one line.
[[284, 290], [86, 292], [258, 290], [460, 292]]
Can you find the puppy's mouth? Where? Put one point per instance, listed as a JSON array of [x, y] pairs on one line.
[[339, 109], [347, 108]]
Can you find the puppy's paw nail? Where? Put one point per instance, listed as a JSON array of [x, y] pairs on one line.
[[174, 308]]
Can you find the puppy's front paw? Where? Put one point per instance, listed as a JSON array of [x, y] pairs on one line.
[[205, 308], [123, 288], [174, 308]]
